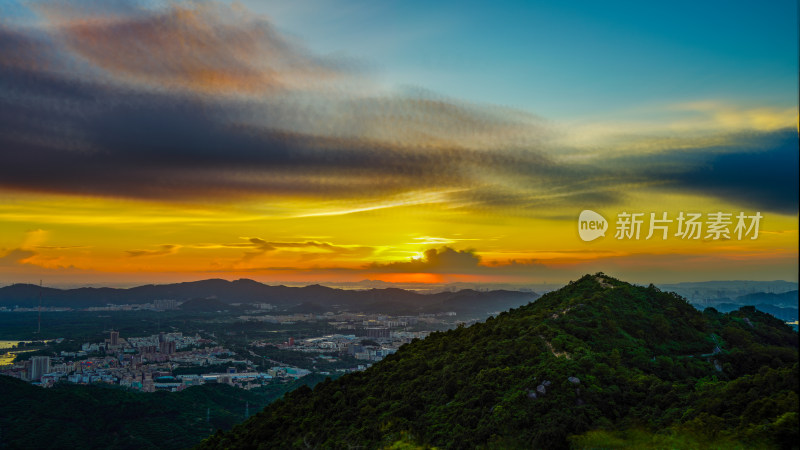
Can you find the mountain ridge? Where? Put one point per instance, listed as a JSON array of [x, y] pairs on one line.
[[250, 291], [579, 366]]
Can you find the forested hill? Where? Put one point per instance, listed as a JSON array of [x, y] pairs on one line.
[[598, 363], [98, 416], [296, 299]]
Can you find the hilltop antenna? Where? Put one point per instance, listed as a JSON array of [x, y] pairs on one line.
[[39, 327]]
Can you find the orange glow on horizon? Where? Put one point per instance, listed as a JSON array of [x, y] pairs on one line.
[[422, 278], [175, 141]]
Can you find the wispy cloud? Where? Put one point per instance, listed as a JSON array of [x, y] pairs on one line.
[[305, 250], [181, 101], [60, 247], [199, 46], [15, 257], [165, 249], [451, 264]]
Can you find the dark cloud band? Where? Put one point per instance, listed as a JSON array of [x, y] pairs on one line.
[[238, 110]]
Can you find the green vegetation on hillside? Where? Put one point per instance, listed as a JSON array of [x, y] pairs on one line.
[[101, 416], [599, 363]]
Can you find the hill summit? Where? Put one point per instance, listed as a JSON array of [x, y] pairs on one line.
[[598, 363]]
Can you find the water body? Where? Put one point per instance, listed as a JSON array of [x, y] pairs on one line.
[[8, 358]]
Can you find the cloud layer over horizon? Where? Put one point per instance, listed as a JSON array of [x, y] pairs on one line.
[[202, 100]]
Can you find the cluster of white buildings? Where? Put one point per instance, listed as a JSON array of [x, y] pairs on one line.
[[352, 345], [155, 340], [146, 364]]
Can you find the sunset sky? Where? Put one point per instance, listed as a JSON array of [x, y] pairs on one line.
[[329, 141]]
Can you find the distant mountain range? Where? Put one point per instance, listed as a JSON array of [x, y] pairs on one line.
[[312, 298], [783, 305], [785, 314], [704, 290], [785, 299]]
